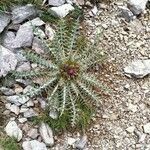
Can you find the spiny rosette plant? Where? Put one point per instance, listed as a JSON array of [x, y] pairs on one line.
[[64, 70]]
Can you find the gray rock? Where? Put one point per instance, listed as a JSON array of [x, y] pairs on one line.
[[8, 61], [137, 6], [24, 67], [46, 134], [61, 11], [126, 14], [7, 91], [17, 100], [22, 13], [38, 46], [8, 39], [24, 37], [33, 145], [4, 21], [30, 113], [33, 133], [56, 2], [13, 130], [35, 22], [15, 109], [138, 69], [81, 143]]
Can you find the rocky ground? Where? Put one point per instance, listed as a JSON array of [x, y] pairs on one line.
[[122, 122]]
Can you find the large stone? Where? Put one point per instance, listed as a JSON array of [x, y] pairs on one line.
[[33, 145], [13, 130], [8, 39], [56, 2], [17, 100], [61, 11], [22, 13], [24, 37], [46, 134], [138, 68], [4, 21], [8, 61], [137, 6]]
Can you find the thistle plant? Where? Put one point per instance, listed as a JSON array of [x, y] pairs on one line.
[[64, 69]]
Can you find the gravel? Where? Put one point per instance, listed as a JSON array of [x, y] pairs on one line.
[[122, 122]]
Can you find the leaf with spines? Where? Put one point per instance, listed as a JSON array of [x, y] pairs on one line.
[[64, 66]]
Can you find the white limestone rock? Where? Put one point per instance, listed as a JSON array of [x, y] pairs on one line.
[[46, 134], [33, 145], [13, 130], [61, 11], [137, 6], [56, 2], [138, 68]]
